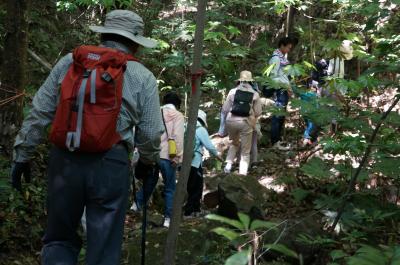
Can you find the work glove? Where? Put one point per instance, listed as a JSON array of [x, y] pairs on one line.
[[143, 171], [17, 170]]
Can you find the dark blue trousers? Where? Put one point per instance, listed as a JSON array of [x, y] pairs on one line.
[[277, 122], [168, 172], [101, 183]]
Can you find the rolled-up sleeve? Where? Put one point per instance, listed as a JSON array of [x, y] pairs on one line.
[[149, 129], [206, 142], [226, 108], [43, 109], [257, 106]]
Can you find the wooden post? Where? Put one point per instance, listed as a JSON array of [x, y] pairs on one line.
[[171, 242]]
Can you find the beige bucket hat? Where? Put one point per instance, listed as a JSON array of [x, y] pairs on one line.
[[127, 24], [246, 76]]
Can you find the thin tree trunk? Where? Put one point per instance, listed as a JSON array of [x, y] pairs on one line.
[[289, 21], [170, 246], [13, 72]]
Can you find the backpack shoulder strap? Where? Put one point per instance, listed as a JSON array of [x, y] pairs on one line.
[[162, 115]]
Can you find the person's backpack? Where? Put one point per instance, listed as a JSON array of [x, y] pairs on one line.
[[90, 100], [321, 71], [242, 103]]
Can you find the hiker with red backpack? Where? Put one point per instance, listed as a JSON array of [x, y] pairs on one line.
[[243, 107], [93, 98]]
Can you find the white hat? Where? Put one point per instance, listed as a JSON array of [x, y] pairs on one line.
[[246, 76], [346, 49], [202, 116], [127, 24]]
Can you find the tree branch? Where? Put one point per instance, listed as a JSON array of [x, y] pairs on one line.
[[37, 58]]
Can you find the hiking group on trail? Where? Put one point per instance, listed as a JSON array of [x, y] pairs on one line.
[[102, 104]]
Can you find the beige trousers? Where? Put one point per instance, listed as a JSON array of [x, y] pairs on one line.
[[240, 134]]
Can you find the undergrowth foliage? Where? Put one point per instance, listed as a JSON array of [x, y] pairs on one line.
[[22, 216]]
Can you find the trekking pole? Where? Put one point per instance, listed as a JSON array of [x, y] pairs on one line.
[[144, 223]]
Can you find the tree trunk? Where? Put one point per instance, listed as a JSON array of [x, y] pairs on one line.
[[289, 21], [13, 72], [172, 236]]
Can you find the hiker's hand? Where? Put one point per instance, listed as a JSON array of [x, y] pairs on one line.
[[17, 170], [143, 170], [290, 92], [220, 158]]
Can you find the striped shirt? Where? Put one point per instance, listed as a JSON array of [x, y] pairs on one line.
[[140, 109]]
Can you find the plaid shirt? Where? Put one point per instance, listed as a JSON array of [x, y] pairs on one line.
[[140, 109]]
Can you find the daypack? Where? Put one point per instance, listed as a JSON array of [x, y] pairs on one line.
[[242, 103], [90, 100], [320, 71]]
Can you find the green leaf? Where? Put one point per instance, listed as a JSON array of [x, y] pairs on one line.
[[225, 220], [299, 194], [283, 249], [228, 233], [368, 255], [316, 167], [262, 224], [295, 70], [245, 219], [396, 256], [337, 254], [267, 69], [240, 258]]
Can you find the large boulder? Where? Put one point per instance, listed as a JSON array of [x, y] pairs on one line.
[[245, 194]]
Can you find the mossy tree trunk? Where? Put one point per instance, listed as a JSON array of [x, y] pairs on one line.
[[13, 71]]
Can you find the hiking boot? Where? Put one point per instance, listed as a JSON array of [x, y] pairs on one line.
[[281, 146], [167, 222], [307, 142], [135, 207]]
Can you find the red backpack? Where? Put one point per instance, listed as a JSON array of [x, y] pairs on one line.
[[90, 100]]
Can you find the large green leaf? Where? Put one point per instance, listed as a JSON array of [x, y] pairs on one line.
[[256, 224], [240, 258], [228, 233], [245, 219], [282, 249], [368, 255], [337, 254], [225, 220]]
